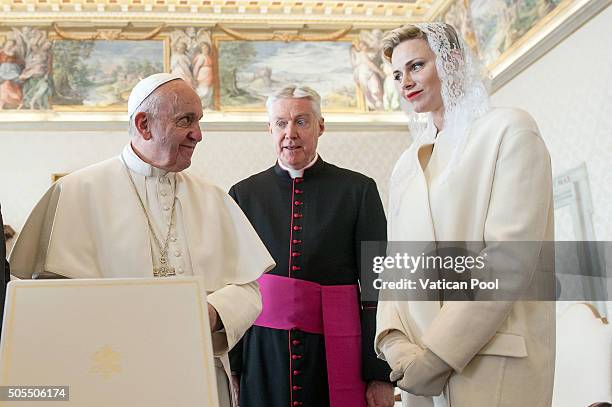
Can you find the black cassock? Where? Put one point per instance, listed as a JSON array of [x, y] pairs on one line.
[[324, 216]]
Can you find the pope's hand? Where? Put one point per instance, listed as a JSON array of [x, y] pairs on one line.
[[213, 318], [380, 394], [425, 375]]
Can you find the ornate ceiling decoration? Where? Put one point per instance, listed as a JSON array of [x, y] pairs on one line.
[[360, 13]]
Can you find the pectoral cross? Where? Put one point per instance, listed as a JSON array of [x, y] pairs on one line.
[[164, 270]]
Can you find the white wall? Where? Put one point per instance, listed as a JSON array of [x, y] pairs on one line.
[[569, 93], [29, 157]]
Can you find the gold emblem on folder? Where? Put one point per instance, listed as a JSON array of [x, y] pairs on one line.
[[106, 362]]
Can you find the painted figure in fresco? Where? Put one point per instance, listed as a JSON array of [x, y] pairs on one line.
[[458, 16], [192, 59], [180, 63], [367, 68], [11, 66], [36, 89], [203, 74], [391, 99]]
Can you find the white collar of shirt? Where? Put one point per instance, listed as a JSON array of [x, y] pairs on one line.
[[137, 165], [298, 173]]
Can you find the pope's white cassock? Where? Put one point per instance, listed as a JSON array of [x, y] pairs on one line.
[[90, 224]]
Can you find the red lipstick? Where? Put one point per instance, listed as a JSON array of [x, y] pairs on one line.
[[413, 95]]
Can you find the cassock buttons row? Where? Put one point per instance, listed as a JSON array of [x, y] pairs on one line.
[[295, 363], [296, 214]]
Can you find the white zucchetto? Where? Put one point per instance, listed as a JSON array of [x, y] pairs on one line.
[[145, 87]]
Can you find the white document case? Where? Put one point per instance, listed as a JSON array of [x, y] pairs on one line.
[[114, 342]]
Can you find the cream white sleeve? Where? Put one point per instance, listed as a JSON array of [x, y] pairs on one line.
[[238, 307]]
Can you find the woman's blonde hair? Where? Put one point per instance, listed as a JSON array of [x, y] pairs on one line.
[[407, 32]]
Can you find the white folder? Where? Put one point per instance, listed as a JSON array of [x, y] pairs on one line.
[[114, 342]]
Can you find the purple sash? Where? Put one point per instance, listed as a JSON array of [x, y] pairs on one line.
[[329, 310]]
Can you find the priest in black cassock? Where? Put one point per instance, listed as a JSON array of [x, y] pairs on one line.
[[312, 345]]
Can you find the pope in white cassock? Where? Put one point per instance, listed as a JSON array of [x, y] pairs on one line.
[[140, 215]]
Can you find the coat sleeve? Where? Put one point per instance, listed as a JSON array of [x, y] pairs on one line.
[[371, 226], [520, 210]]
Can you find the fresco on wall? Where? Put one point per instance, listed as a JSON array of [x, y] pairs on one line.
[[458, 16], [100, 74], [41, 68], [72, 74], [350, 76], [498, 24], [194, 59], [371, 74], [251, 70], [24, 70]]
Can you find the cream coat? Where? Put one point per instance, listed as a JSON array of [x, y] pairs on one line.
[[501, 353], [90, 225]]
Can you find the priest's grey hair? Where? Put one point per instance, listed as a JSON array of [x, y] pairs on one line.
[[296, 92]]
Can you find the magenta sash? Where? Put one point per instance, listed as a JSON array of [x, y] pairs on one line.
[[329, 310]]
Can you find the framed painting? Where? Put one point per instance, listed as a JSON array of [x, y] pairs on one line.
[[41, 69], [252, 70], [99, 74]]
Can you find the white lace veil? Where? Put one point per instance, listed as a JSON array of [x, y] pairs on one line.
[[464, 95]]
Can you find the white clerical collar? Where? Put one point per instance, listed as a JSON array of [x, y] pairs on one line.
[[298, 173], [137, 165]]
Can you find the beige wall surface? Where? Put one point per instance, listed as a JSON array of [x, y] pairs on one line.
[[568, 92], [29, 157]]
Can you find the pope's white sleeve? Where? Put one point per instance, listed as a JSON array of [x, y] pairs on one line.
[[238, 307]]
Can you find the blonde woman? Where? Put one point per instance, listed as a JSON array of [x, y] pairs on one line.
[[472, 173]]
